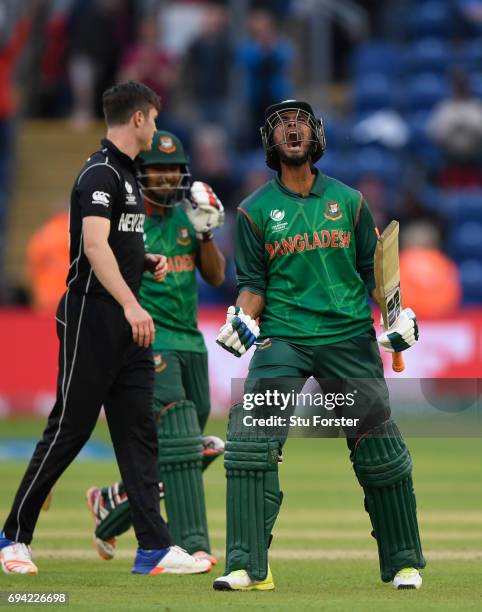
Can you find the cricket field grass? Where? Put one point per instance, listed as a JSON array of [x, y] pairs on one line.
[[322, 556]]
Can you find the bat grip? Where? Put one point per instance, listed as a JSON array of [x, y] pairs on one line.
[[398, 365]]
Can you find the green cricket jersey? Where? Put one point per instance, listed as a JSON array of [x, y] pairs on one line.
[[173, 303], [310, 257]]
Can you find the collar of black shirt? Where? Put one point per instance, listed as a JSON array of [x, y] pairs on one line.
[[124, 159]]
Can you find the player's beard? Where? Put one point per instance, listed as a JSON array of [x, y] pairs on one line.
[[299, 160], [163, 199]]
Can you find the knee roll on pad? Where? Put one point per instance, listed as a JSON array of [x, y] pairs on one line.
[[178, 432], [253, 498], [382, 461], [257, 455], [383, 467], [180, 467]]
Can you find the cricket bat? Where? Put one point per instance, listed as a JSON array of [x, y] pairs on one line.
[[387, 279]]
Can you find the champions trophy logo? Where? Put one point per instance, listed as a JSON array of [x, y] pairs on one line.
[[277, 215]]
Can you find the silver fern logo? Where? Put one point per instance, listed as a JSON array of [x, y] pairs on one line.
[[277, 215]]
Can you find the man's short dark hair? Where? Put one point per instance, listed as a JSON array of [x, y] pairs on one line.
[[121, 101]]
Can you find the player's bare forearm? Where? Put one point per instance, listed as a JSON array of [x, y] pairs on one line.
[[103, 261], [251, 303], [211, 263]]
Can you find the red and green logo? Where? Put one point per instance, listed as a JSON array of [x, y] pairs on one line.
[[166, 144], [333, 211], [183, 237]]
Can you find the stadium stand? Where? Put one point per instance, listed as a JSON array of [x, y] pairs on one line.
[[376, 124]]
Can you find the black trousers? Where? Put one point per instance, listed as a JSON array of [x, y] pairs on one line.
[[99, 365]]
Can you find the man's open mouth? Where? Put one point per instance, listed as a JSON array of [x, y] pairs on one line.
[[293, 139]]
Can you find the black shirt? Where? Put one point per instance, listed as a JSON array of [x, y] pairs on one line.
[[107, 187]]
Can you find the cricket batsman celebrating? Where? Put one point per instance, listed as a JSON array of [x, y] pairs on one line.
[[180, 221], [304, 255]]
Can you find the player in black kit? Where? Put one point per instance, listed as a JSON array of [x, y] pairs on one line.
[[105, 335]]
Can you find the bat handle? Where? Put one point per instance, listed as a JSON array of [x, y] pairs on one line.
[[398, 364]]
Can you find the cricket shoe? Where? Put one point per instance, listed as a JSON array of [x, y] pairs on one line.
[[16, 558], [407, 578], [202, 554], [95, 502], [171, 560], [239, 580]]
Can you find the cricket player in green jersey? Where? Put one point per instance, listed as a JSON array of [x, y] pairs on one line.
[[180, 221], [304, 256]]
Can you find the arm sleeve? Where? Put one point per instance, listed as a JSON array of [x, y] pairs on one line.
[[97, 188], [249, 255], [366, 240]]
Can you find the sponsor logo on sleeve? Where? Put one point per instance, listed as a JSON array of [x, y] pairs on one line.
[[101, 197]]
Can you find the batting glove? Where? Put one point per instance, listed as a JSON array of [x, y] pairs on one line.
[[239, 333], [204, 208], [402, 334]]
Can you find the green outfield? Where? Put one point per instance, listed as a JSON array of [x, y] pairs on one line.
[[322, 557]]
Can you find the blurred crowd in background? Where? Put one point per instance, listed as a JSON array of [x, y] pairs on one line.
[[398, 84]]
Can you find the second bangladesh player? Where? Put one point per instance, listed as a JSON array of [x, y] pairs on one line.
[[304, 256], [179, 225]]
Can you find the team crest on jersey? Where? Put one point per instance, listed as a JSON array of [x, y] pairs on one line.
[[166, 144], [183, 237], [159, 363], [333, 211]]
